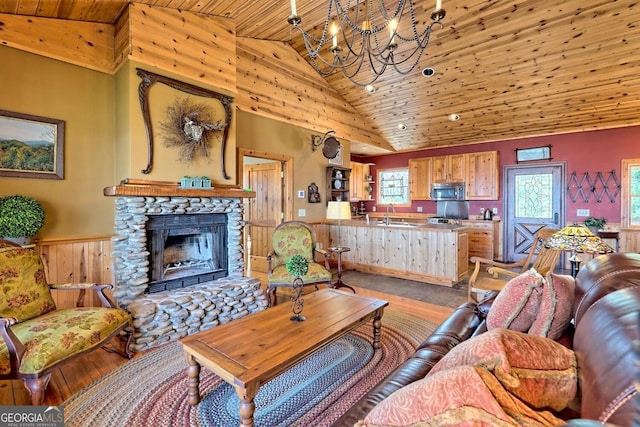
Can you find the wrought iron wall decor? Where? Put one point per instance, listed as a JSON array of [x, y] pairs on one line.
[[190, 128], [599, 187]]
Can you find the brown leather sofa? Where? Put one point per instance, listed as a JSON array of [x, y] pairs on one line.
[[605, 334]]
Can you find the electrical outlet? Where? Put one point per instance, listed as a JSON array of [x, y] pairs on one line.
[[302, 212], [481, 211], [419, 208], [582, 212], [373, 209], [495, 211]]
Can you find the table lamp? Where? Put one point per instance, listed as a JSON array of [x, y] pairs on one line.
[[577, 239], [339, 211]]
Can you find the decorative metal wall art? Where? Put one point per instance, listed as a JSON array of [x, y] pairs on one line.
[[190, 129], [599, 187]]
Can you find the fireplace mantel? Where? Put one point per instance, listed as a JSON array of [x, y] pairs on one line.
[[175, 191]]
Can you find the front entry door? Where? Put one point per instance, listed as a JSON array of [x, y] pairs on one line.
[[534, 199]]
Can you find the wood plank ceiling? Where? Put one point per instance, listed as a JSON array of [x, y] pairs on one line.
[[510, 69]]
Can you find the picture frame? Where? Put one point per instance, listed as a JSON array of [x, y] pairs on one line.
[[531, 154], [31, 146]]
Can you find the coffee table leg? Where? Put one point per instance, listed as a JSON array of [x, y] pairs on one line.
[[193, 371], [247, 405], [377, 323]]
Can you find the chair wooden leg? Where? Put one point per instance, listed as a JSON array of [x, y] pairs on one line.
[[271, 290], [37, 387]]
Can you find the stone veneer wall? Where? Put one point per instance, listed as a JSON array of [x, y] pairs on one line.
[[168, 316]]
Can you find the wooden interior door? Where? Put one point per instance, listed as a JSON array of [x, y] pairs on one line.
[[264, 212]]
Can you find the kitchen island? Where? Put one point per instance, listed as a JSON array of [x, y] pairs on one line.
[[430, 253]]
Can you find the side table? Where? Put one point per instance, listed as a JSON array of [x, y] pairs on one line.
[[340, 284]]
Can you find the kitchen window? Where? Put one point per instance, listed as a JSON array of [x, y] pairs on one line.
[[393, 187]]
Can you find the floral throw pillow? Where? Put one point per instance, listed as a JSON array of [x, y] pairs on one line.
[[538, 370], [517, 304], [460, 396], [556, 305]]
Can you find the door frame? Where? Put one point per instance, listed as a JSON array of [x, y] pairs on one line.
[[506, 197], [287, 186]]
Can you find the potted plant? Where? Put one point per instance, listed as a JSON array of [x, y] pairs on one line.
[[20, 218], [206, 182], [186, 182], [595, 224]]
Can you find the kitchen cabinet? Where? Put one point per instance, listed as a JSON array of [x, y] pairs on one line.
[[449, 168], [480, 171], [484, 239], [420, 179], [436, 254], [359, 181], [482, 175], [338, 184]]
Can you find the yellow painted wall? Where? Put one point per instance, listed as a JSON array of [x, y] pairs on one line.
[[105, 142], [84, 99], [266, 135]]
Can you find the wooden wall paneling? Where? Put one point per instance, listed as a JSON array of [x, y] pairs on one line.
[[199, 47], [122, 40], [86, 44], [630, 240], [275, 82]]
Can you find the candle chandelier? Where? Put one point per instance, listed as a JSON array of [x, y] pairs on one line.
[[363, 37]]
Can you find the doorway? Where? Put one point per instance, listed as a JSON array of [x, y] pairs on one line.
[[270, 176], [534, 198]]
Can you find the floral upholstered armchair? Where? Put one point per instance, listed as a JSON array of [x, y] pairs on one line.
[[35, 336], [289, 239]]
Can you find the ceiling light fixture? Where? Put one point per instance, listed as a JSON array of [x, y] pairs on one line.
[[370, 88], [454, 117], [356, 41]]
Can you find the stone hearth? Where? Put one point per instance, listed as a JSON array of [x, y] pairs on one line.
[[170, 315]]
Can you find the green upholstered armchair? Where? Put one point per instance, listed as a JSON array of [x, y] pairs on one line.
[[289, 239], [35, 336]]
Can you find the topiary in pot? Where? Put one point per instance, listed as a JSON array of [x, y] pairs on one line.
[[20, 217]]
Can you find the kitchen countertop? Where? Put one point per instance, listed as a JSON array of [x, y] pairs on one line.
[[395, 224]]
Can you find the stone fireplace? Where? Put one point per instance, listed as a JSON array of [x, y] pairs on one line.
[[197, 281]]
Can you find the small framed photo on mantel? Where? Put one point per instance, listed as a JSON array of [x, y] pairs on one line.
[[31, 146]]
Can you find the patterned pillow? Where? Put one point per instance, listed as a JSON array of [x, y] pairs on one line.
[[538, 370], [555, 308], [24, 289], [462, 396], [517, 304]]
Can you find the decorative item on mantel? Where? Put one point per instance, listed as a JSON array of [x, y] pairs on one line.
[[195, 182], [297, 266]]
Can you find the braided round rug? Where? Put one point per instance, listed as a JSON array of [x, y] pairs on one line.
[[152, 390]]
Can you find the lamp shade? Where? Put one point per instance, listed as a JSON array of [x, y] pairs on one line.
[[339, 210], [576, 238]]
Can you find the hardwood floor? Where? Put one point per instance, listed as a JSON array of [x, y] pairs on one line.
[[404, 295]]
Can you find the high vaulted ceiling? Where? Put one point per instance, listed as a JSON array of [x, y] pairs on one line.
[[509, 69]]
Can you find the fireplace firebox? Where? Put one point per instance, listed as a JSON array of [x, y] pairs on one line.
[[186, 250]]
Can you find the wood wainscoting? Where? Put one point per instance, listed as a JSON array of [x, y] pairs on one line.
[[77, 260]]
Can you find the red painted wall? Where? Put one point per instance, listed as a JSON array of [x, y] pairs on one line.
[[592, 152]]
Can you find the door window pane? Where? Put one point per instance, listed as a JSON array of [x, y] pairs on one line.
[[533, 198]]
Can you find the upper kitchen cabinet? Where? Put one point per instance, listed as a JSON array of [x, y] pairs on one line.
[[450, 168], [420, 178], [482, 175], [360, 181], [480, 171]]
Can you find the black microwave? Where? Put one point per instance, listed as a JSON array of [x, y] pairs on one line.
[[448, 191]]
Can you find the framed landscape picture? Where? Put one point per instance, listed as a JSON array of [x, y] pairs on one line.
[[31, 146]]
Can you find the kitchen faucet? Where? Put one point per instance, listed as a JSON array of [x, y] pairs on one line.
[[386, 215]]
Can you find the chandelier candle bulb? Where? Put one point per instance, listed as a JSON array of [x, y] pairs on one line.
[[294, 11], [334, 31], [438, 4]]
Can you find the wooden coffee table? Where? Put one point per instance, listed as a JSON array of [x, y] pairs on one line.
[[250, 351]]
